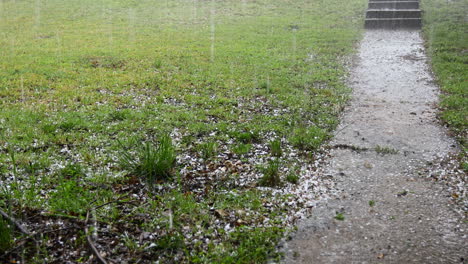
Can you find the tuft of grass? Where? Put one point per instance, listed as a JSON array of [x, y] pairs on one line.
[[271, 176], [118, 115], [444, 29], [308, 139], [383, 150], [151, 162], [72, 122], [157, 64], [339, 216], [241, 148], [275, 148], [70, 198], [244, 245], [49, 128], [255, 245], [6, 236], [292, 178], [171, 241], [207, 149], [247, 137], [371, 203], [72, 171]]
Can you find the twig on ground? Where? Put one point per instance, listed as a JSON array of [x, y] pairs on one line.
[[90, 242], [16, 223], [113, 201], [340, 130], [21, 242], [351, 147]]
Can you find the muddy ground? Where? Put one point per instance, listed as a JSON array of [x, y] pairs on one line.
[[386, 212]]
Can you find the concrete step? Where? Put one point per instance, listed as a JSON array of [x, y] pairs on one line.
[[393, 13], [393, 4], [393, 23], [391, 0]]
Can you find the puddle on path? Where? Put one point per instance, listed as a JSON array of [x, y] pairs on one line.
[[390, 214]]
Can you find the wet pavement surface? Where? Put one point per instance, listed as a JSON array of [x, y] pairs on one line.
[[388, 132]]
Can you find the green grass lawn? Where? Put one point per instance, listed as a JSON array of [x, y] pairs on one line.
[[111, 107], [445, 30]]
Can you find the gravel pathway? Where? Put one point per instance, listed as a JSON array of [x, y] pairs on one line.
[[387, 135]]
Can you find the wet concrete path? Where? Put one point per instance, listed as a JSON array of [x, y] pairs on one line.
[[391, 214]]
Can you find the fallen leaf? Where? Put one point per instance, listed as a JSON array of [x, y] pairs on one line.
[[220, 213], [368, 165], [403, 193]]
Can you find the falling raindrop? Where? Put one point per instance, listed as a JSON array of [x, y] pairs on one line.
[[37, 15], [171, 221], [106, 18], [3, 34], [110, 33], [213, 28], [22, 88], [294, 43], [95, 229], [195, 9], [131, 26], [268, 85], [58, 53], [244, 6], [13, 46]]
